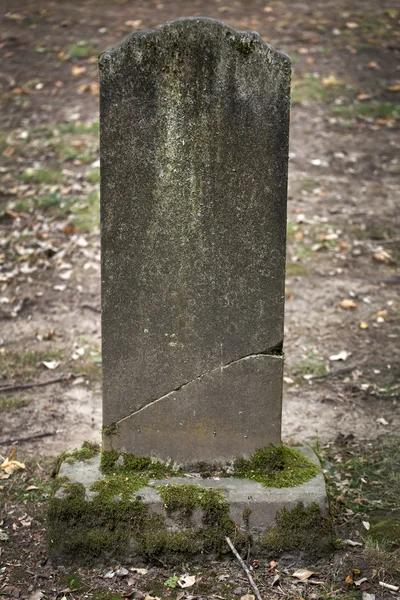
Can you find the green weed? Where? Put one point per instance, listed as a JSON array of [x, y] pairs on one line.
[[373, 110]]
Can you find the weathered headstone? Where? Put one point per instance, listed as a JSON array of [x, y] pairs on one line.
[[194, 150]]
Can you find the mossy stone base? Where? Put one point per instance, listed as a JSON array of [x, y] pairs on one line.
[[92, 515]]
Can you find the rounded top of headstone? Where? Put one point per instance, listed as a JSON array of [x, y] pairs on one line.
[[201, 30]]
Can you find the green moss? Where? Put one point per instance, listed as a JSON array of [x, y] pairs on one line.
[[106, 519], [244, 47], [88, 450], [109, 430], [303, 528], [130, 464], [277, 466]]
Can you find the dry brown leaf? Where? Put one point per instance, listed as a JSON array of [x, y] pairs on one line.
[[361, 96], [373, 65], [383, 256], [77, 71], [186, 581], [10, 465], [349, 579], [348, 304], [303, 574], [330, 81], [382, 313], [393, 88], [135, 24]]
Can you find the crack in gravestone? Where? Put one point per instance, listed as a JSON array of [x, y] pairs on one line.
[[275, 351]]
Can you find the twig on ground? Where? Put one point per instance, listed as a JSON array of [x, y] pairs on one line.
[[90, 307], [25, 386], [27, 439], [388, 586], [337, 373], [244, 567]]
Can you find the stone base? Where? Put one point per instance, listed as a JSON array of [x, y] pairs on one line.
[[182, 516]]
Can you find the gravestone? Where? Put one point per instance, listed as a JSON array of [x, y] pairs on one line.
[[194, 151], [194, 144]]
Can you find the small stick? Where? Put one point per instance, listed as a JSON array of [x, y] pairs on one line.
[[25, 386], [245, 568], [90, 307], [337, 373], [393, 588], [27, 439]]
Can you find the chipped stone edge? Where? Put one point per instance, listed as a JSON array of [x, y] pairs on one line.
[[106, 58]]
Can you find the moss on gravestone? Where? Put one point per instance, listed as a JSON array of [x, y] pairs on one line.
[[277, 466]]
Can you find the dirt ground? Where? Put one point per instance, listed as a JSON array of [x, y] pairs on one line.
[[342, 307]]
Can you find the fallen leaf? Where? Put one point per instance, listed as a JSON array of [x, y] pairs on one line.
[[351, 543], [373, 65], [36, 595], [362, 96], [366, 596], [348, 304], [383, 256], [140, 571], [330, 81], [303, 574], [364, 325], [348, 579], [135, 24], [276, 579], [248, 597], [382, 421], [393, 88], [382, 313], [109, 575], [4, 537], [77, 71], [360, 581], [343, 355], [186, 581], [51, 364], [367, 525], [122, 572], [10, 465], [352, 25]]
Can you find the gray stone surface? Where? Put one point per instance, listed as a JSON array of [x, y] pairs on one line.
[[194, 146], [241, 494]]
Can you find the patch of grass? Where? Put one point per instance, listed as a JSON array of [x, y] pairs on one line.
[[296, 269], [23, 364], [308, 184], [81, 49], [87, 213], [12, 402], [78, 127], [41, 176], [312, 366], [93, 176], [381, 557], [311, 88], [373, 110]]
